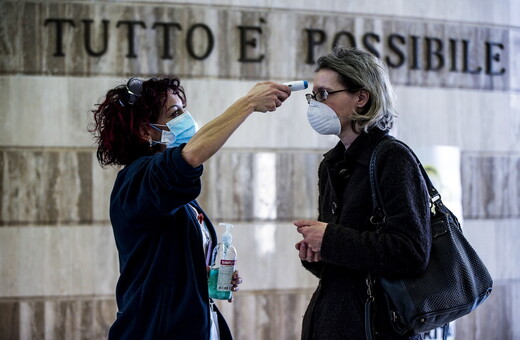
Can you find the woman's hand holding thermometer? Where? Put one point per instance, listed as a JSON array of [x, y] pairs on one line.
[[296, 85]]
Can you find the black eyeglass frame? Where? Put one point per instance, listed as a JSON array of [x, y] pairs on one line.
[[324, 95]]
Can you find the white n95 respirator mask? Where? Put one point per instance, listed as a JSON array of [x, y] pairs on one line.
[[323, 119]]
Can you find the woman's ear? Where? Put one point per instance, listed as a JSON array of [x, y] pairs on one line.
[[145, 132], [363, 97]]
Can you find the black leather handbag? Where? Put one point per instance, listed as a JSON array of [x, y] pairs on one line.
[[454, 283]]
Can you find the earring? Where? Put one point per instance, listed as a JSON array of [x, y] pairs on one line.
[[150, 141]]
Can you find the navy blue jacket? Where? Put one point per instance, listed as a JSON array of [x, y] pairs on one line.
[[162, 291]]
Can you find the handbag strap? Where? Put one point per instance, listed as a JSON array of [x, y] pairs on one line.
[[379, 213], [368, 307], [379, 218]]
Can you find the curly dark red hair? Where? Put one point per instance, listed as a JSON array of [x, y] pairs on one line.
[[118, 124]]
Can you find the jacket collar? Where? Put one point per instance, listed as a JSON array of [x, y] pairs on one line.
[[359, 151]]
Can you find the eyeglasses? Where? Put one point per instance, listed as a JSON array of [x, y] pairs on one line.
[[321, 95]]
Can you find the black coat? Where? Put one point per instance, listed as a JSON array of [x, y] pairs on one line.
[[351, 247]]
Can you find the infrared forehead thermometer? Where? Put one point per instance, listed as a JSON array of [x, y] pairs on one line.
[[297, 85]]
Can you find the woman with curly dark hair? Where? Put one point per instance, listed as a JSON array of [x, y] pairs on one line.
[[163, 236]]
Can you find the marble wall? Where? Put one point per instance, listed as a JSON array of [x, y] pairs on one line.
[[201, 41], [58, 263]]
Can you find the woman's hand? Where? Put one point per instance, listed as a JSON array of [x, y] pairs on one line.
[[312, 232], [267, 96], [235, 281], [305, 252]]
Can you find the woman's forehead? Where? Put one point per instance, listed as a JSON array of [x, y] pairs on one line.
[[173, 100], [326, 78]]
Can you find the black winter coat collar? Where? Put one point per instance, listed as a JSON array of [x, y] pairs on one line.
[[339, 163], [357, 150]]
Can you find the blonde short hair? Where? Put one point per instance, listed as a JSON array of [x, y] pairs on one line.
[[360, 70]]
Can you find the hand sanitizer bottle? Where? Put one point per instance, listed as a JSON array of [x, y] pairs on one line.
[[222, 266]]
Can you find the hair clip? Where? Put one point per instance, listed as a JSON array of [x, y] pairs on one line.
[[134, 88]]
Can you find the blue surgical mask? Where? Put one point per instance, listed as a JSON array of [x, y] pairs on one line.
[[182, 128]]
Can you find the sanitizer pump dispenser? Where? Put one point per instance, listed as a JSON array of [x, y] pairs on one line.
[[222, 266]]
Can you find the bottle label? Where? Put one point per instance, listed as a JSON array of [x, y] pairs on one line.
[[227, 262], [225, 273]]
